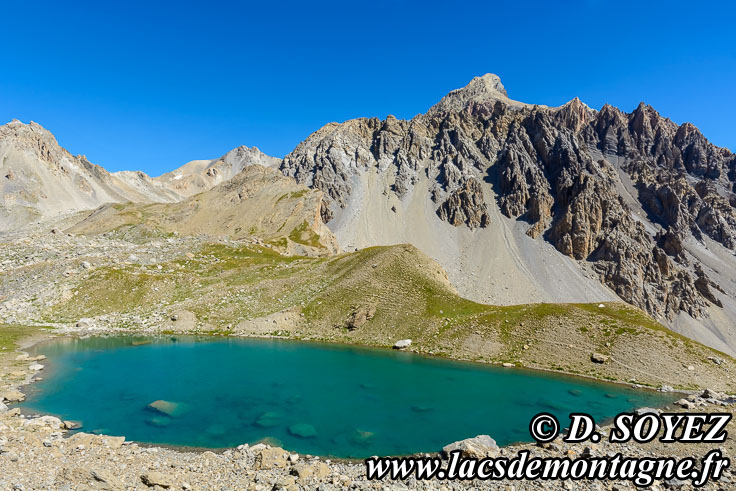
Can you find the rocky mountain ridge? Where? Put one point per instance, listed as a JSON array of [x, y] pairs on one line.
[[618, 192], [41, 179]]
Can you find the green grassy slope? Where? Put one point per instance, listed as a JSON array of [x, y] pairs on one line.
[[397, 292]]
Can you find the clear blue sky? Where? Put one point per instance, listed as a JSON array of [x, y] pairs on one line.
[[134, 85]]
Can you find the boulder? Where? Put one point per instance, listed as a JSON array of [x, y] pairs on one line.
[[712, 394], [271, 458], [647, 410], [307, 471], [168, 408], [598, 358], [12, 396], [303, 430], [81, 439], [478, 447], [153, 478], [402, 343], [360, 316], [106, 479], [44, 422], [114, 442], [82, 478], [35, 367], [286, 483], [684, 403]]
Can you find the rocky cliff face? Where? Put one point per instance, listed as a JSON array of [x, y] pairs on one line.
[[618, 192]]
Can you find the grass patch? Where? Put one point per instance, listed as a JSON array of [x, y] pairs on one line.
[[303, 234], [10, 334]]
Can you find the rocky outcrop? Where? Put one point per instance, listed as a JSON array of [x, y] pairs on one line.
[[561, 170], [465, 205], [360, 316]]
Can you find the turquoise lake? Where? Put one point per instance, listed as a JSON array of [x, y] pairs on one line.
[[319, 399]]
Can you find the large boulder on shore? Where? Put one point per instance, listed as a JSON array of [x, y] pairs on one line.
[[478, 447], [12, 396], [402, 343], [271, 458]]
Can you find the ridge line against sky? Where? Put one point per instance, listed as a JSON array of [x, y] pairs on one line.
[[140, 87]]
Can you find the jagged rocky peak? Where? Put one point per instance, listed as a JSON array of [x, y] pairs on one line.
[[557, 171], [35, 138], [242, 156], [486, 89]]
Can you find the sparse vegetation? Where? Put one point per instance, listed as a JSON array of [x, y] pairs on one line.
[[252, 289], [10, 334]]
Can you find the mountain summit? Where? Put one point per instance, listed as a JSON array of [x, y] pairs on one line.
[[485, 89], [526, 203]]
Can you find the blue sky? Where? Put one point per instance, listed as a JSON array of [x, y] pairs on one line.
[[140, 86]]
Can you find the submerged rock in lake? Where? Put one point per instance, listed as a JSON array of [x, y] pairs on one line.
[[160, 421], [216, 429], [361, 436], [268, 419], [303, 430], [168, 408]]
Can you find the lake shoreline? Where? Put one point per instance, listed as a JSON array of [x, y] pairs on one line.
[[303, 473], [370, 379], [31, 343]]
